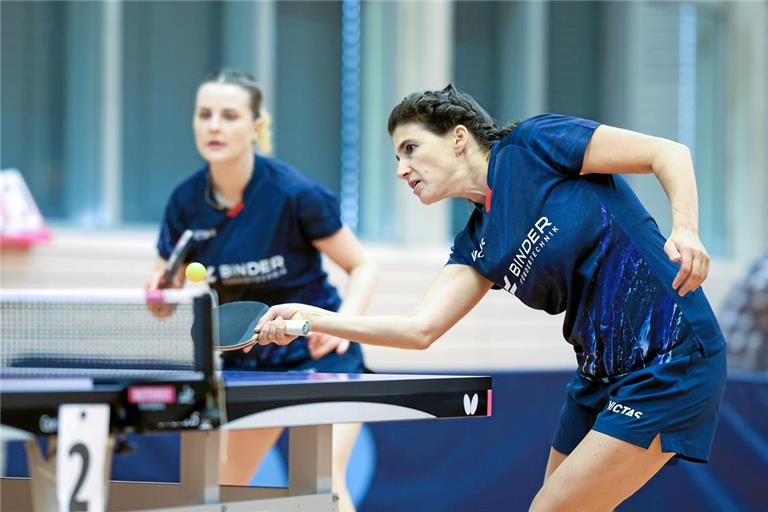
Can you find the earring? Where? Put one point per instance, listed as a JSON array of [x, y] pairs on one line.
[[458, 154]]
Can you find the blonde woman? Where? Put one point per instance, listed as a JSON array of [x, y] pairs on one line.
[[272, 225]]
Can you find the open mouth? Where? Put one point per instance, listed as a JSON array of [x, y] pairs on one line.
[[417, 186]]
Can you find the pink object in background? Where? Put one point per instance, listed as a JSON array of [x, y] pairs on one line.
[[21, 223]]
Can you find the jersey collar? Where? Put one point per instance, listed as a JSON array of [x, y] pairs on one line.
[[491, 174]]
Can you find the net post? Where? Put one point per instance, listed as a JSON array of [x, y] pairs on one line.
[[205, 334], [204, 331]]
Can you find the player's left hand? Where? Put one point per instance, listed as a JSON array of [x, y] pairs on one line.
[[321, 344], [157, 282], [685, 247]]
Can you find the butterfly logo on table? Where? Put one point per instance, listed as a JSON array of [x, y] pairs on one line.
[[470, 404], [186, 395]]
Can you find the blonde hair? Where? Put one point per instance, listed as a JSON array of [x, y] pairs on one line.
[[264, 138]]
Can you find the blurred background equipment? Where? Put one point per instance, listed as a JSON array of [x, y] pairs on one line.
[[744, 318], [21, 223]]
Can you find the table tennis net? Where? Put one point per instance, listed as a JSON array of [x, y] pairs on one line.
[[110, 331]]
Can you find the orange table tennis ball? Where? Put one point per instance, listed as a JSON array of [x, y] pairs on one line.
[[195, 272]]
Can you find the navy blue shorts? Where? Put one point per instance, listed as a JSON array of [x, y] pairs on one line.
[[677, 399]]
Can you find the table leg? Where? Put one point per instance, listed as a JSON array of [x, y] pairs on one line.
[[199, 471], [42, 475], [310, 467]]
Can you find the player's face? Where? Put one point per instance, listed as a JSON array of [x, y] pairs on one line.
[[425, 161], [224, 125]]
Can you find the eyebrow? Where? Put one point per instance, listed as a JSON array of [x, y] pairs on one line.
[[225, 109]]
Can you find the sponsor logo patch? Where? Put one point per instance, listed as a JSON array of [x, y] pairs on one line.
[[623, 409]]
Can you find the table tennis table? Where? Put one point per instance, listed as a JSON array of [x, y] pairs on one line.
[[200, 404]]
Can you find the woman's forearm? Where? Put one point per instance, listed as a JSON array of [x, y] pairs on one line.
[[398, 331], [673, 168]]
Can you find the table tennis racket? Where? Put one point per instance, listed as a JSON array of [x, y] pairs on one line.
[[237, 320], [177, 257]]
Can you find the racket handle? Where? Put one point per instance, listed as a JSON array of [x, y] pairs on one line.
[[297, 327]]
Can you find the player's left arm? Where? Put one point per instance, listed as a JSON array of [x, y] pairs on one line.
[[614, 150], [344, 249]]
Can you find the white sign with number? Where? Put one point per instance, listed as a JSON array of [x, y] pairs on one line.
[[81, 457]]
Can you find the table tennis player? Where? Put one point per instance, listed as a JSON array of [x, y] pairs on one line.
[[556, 226], [266, 226]]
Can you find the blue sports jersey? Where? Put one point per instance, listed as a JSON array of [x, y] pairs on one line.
[[584, 245], [264, 252]]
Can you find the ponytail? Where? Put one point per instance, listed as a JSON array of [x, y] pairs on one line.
[[264, 137]]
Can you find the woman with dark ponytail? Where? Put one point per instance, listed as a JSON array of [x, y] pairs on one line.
[[265, 227], [555, 225]]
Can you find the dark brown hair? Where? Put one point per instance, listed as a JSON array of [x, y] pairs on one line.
[[440, 111]]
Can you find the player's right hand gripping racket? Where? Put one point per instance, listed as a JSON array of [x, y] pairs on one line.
[[177, 257], [237, 320]]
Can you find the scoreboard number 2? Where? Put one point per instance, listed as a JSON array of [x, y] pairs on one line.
[[81, 455]]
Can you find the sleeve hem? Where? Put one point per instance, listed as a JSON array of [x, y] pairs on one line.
[[326, 233]]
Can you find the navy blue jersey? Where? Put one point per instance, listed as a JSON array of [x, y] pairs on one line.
[[264, 252], [583, 245]]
